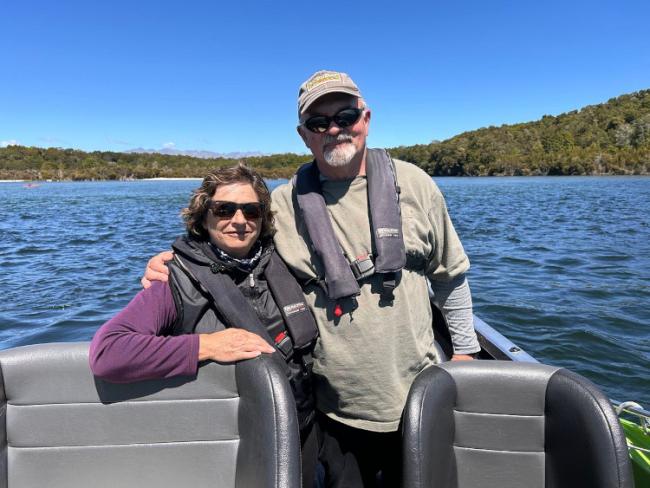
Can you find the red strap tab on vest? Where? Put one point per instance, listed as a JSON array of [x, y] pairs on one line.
[[280, 336]]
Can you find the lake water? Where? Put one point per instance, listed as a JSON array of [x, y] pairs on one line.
[[559, 265]]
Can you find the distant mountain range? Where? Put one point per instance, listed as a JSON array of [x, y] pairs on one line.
[[195, 153]]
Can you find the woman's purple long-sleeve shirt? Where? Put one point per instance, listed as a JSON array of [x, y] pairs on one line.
[[135, 345]]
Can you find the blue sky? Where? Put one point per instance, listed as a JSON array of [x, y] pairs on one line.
[[223, 76]]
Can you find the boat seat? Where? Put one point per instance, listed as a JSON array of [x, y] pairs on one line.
[[504, 424], [230, 426]]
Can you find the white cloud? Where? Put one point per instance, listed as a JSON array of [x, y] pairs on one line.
[[12, 142], [169, 145]]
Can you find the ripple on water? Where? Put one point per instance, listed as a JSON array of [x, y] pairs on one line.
[[592, 293], [81, 242], [519, 261], [30, 250], [537, 248], [564, 262], [611, 258]]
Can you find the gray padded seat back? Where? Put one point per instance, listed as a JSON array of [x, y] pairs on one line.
[[231, 426], [503, 424]]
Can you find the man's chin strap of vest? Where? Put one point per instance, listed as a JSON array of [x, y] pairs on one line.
[[389, 255]]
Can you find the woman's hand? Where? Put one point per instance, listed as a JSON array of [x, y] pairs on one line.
[[156, 269], [231, 345]]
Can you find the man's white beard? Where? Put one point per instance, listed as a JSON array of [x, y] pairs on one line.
[[340, 154]]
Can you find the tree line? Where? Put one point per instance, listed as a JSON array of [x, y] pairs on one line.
[[35, 163], [609, 138]]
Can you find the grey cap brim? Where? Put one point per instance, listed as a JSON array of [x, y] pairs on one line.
[[309, 100]]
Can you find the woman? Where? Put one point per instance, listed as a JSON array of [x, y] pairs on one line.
[[228, 254]]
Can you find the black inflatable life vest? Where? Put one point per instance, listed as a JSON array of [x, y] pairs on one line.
[[389, 255], [208, 299]]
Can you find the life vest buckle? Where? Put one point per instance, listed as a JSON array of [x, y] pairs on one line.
[[284, 344], [363, 267], [307, 362], [389, 283]]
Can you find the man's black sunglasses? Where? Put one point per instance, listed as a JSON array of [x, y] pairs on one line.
[[343, 118], [226, 210]]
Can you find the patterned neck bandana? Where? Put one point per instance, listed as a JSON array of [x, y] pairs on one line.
[[245, 264]]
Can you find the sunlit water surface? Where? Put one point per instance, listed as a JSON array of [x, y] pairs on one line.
[[559, 265]]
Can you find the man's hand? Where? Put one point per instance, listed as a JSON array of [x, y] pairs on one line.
[[232, 345], [462, 357], [156, 269]]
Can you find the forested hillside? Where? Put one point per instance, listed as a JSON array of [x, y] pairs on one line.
[[35, 163], [609, 138]]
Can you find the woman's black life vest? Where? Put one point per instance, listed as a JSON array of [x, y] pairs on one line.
[[211, 295]]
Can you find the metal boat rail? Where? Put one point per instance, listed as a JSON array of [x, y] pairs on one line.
[[499, 346]]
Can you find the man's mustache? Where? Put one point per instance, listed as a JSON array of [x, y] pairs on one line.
[[329, 139]]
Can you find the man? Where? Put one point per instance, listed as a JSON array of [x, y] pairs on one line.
[[375, 333]]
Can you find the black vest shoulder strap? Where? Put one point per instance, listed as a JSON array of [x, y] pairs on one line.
[[339, 280], [297, 317], [385, 219]]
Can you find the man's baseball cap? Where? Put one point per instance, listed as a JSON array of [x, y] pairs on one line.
[[321, 83]]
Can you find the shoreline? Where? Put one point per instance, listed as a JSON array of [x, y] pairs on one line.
[[160, 178], [603, 175]]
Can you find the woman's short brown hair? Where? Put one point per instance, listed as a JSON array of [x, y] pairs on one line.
[[194, 214]]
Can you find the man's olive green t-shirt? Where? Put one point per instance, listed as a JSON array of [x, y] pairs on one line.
[[366, 359]]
